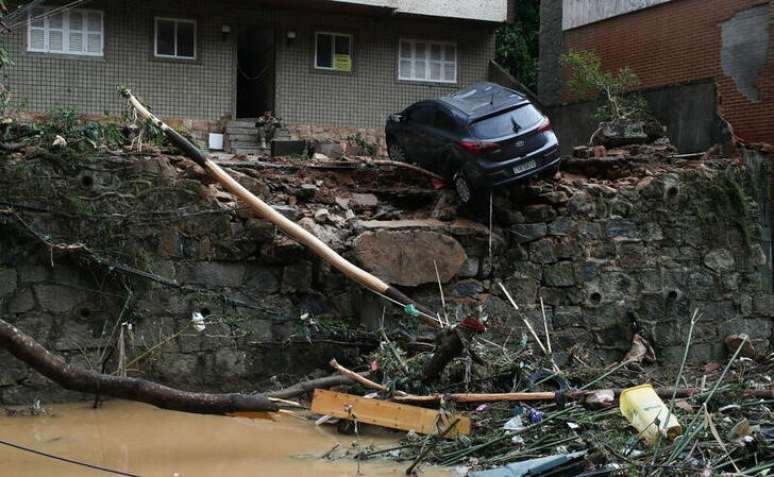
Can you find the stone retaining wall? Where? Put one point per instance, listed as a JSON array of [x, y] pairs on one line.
[[608, 259]]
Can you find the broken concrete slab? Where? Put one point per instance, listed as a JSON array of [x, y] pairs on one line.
[[408, 258]]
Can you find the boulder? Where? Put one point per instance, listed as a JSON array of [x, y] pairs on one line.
[[406, 257]]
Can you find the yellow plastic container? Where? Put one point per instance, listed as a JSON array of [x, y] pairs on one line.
[[641, 406]]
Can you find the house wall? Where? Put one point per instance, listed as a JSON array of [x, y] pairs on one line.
[[486, 10], [204, 89], [729, 41]]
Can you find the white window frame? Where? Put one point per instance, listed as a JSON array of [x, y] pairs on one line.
[[84, 31], [428, 45], [176, 21], [333, 34]]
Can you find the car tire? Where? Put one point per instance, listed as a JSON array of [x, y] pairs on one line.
[[463, 188], [396, 152]]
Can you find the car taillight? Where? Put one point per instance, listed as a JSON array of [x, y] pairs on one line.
[[545, 126], [478, 148]]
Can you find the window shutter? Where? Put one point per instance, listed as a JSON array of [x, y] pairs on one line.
[[76, 33]]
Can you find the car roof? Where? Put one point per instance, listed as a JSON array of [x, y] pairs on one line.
[[483, 99]]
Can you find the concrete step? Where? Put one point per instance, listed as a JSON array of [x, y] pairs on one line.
[[243, 138], [240, 129]]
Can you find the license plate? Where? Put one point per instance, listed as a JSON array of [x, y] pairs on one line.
[[524, 166]]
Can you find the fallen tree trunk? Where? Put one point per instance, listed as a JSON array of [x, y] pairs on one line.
[[55, 368], [309, 386]]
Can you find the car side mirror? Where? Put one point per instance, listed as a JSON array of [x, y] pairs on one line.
[[396, 118]]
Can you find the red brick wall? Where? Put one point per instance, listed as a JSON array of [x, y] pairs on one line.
[[680, 41]]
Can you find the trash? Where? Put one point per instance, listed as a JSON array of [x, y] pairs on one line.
[[534, 415], [644, 410], [387, 414], [537, 467], [514, 424], [198, 321], [59, 142], [600, 399]]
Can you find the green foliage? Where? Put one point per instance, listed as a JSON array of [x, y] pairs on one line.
[[587, 79], [516, 44], [368, 148]]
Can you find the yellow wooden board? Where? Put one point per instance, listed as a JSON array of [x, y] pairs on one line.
[[386, 414]]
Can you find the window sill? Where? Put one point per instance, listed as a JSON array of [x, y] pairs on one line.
[[179, 61], [64, 56], [427, 82]]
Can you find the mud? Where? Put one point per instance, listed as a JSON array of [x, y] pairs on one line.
[[147, 441]]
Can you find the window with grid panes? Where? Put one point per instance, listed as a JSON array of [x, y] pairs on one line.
[[73, 32], [421, 60], [332, 51], [175, 38]]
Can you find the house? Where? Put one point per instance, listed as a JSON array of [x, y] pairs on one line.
[[687, 54], [326, 67]]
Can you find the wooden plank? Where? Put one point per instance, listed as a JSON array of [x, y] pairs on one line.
[[386, 414]]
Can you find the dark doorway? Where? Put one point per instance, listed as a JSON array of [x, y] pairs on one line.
[[255, 72]]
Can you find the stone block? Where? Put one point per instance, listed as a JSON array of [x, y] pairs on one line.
[[523, 233], [22, 302], [287, 147], [212, 274], [58, 298], [720, 260], [33, 273], [543, 251], [763, 304], [567, 316], [562, 226], [409, 258], [262, 281], [364, 201], [297, 277], [539, 213], [8, 281], [469, 268], [618, 228], [755, 328], [589, 230], [559, 275]]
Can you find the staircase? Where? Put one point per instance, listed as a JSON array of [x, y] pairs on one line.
[[242, 137]]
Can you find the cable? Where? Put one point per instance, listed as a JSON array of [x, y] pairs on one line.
[[69, 461], [48, 13]]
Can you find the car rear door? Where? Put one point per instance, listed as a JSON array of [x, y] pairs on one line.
[[418, 133], [446, 132]]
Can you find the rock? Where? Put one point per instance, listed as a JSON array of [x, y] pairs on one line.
[[289, 212], [320, 157], [539, 213], [364, 201], [342, 202], [215, 274], [469, 268], [445, 207], [332, 236], [620, 228], [406, 257], [321, 215], [8, 281], [59, 142], [262, 281], [306, 191], [559, 275], [467, 289], [733, 342], [297, 277], [523, 233], [543, 251], [621, 133], [22, 302], [719, 260], [330, 149], [58, 298]]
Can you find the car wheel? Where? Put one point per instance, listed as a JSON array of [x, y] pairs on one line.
[[396, 152], [464, 191]]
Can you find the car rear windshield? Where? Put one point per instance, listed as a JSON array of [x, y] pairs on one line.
[[507, 123]]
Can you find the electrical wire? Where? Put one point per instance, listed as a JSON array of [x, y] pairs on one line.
[[69, 461], [47, 14]]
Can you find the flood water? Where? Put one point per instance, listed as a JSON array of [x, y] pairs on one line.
[[150, 442]]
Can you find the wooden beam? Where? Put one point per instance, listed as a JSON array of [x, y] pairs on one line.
[[387, 414]]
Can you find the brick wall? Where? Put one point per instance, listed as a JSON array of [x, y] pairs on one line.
[[205, 89], [681, 41]]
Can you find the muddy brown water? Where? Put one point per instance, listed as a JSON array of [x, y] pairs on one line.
[[151, 442]]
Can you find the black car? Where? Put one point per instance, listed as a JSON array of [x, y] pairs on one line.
[[482, 136]]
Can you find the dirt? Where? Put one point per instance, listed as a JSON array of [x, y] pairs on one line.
[[147, 441]]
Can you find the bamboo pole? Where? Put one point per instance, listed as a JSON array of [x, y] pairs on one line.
[[291, 228]]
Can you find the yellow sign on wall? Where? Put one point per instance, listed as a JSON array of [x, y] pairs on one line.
[[342, 62]]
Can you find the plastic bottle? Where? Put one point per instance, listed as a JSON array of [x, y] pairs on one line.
[[641, 406]]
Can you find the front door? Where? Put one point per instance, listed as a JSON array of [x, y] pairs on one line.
[[255, 72]]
